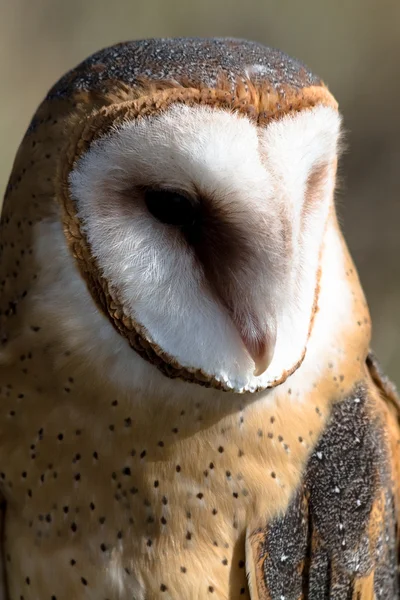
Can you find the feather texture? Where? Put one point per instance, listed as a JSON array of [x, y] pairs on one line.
[[125, 469]]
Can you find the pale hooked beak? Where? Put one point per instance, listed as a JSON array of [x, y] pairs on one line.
[[260, 344], [263, 360]]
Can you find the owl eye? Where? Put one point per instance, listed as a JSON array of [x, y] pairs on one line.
[[171, 208]]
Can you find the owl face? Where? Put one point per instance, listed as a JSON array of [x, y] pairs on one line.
[[209, 230]]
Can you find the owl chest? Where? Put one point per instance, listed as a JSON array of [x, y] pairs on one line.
[[122, 509], [119, 539]]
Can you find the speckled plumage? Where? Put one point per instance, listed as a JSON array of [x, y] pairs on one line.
[[111, 494], [186, 59], [337, 538]]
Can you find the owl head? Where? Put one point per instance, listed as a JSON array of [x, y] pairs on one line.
[[197, 216]]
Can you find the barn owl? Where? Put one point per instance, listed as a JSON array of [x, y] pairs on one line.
[[189, 406]]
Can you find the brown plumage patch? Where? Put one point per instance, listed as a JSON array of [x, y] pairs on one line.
[[259, 101], [391, 414], [340, 526], [383, 383], [182, 60]]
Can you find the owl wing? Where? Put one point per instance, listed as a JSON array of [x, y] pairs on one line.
[[339, 537]]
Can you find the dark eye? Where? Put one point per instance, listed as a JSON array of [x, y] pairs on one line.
[[171, 207]]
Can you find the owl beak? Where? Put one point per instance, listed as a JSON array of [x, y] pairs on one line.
[[262, 360], [261, 346]]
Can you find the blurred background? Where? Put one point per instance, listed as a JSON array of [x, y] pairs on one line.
[[353, 45]]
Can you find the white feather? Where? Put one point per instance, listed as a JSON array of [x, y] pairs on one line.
[[158, 279]]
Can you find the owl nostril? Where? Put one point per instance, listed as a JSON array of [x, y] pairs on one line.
[[172, 208]]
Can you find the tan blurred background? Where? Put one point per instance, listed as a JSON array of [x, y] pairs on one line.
[[354, 45]]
